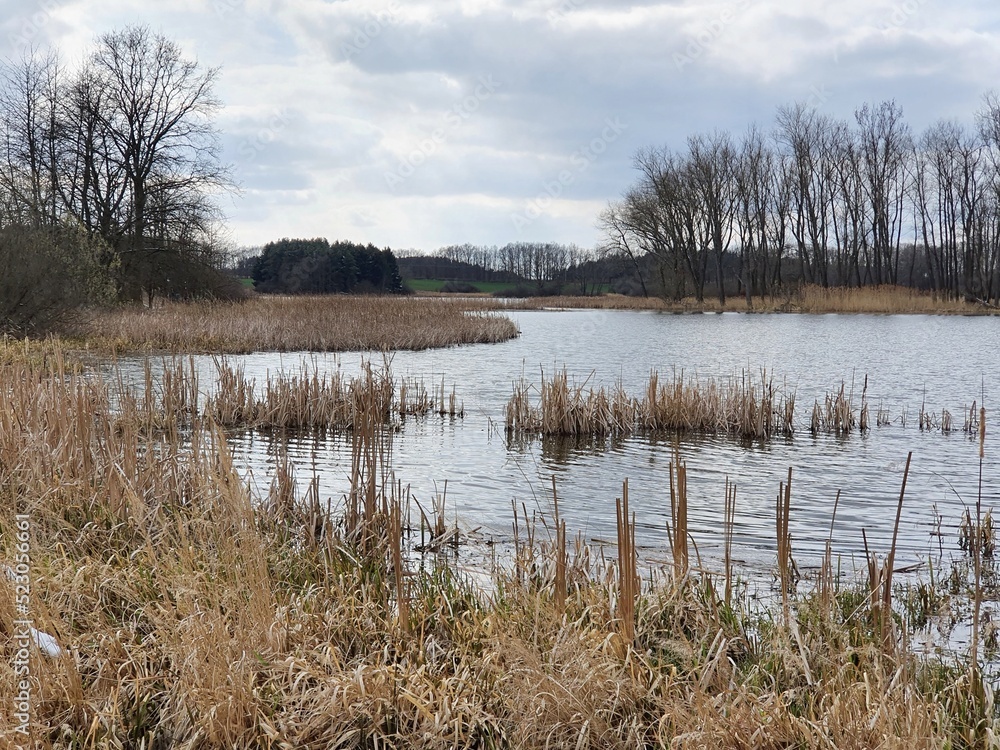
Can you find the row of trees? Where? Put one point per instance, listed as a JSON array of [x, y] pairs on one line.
[[295, 266], [535, 262], [823, 201], [122, 152]]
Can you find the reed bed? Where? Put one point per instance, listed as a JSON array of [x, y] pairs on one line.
[[806, 298], [416, 400], [595, 302], [884, 299], [190, 613], [312, 399], [741, 406], [837, 415], [309, 399], [323, 324], [567, 409]]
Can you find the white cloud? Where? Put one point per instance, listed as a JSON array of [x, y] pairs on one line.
[[324, 99]]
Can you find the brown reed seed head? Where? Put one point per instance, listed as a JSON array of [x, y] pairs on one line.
[[982, 432]]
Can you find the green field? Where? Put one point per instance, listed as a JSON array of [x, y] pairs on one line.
[[486, 287], [434, 285]]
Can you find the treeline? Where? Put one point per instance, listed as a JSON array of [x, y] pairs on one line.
[[820, 200], [528, 267], [525, 261], [296, 266], [107, 177]]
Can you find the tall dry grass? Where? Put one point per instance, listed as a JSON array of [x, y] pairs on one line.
[[312, 399], [806, 298], [326, 323], [193, 614], [741, 406], [886, 299], [307, 399]]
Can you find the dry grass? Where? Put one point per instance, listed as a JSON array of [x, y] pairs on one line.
[[881, 299], [193, 615], [309, 399], [741, 406], [416, 400], [566, 409], [296, 324], [808, 298]]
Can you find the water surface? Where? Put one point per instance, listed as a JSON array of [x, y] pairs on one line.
[[909, 361]]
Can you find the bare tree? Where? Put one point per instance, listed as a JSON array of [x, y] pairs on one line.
[[851, 225], [806, 135], [885, 145], [761, 198], [710, 170], [619, 239], [154, 114], [29, 130]]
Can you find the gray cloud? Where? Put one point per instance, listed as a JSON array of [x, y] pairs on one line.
[[325, 102]]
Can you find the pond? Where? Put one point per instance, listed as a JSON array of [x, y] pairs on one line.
[[910, 362]]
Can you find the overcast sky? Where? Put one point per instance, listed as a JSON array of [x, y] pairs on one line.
[[418, 124]]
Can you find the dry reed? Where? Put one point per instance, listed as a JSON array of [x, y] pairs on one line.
[[416, 400], [807, 298], [742, 406], [786, 563], [880, 300], [739, 406], [628, 578], [837, 415], [192, 614], [317, 400], [728, 527], [677, 531], [295, 324]]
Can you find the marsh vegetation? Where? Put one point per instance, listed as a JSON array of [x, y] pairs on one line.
[[192, 611], [301, 323]]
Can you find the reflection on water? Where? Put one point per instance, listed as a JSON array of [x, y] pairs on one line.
[[940, 363]]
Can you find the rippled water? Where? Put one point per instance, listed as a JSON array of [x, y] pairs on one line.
[[942, 362]]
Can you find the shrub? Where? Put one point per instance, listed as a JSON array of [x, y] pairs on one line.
[[50, 273]]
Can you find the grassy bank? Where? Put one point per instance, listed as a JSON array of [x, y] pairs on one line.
[[805, 299], [190, 613], [321, 323]]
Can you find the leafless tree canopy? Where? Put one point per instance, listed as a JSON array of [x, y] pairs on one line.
[[123, 148], [823, 201]]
